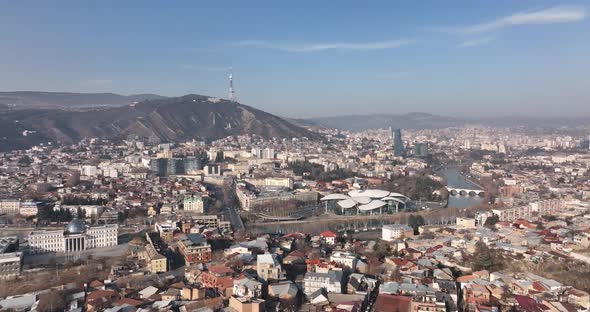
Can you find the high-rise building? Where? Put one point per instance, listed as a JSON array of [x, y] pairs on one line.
[[191, 164], [164, 167], [175, 166], [398, 143], [420, 150], [159, 166]]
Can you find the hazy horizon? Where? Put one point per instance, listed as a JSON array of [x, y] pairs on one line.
[[309, 59], [460, 116]]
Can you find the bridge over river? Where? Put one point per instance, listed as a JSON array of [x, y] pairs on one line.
[[463, 191], [454, 191]]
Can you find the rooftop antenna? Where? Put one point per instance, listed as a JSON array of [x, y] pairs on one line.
[[232, 93]]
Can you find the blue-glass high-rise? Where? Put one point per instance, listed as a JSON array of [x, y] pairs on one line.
[[398, 143]]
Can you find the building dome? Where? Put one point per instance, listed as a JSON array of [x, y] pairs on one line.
[[76, 226]]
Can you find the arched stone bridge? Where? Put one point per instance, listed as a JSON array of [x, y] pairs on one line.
[[454, 191]]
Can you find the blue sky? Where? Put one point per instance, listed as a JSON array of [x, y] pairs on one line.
[[310, 58]]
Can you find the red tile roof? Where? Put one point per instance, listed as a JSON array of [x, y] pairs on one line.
[[96, 284], [101, 294], [433, 249], [225, 282], [465, 278], [129, 301], [400, 261], [538, 286], [328, 234], [392, 303], [529, 304], [220, 269]]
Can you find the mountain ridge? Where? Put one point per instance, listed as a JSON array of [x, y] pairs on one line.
[[69, 100], [417, 120], [372, 121], [169, 119]]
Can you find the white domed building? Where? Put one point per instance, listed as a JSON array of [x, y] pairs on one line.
[[367, 202], [75, 237]]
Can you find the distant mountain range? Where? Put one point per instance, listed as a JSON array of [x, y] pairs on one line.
[[29, 117], [406, 121], [67, 100], [170, 119], [429, 121]]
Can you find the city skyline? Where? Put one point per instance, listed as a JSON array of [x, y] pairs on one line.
[[311, 60]]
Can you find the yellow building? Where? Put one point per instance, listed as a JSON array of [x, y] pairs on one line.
[[156, 262], [468, 223], [164, 154]]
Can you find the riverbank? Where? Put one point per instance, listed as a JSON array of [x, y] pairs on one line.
[[455, 178], [316, 225]]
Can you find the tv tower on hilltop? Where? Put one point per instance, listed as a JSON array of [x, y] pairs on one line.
[[232, 93]]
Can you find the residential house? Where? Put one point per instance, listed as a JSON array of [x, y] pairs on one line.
[[329, 237], [332, 281], [246, 287], [269, 268]]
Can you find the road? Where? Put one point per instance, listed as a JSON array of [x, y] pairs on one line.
[[233, 216], [231, 211], [332, 218]]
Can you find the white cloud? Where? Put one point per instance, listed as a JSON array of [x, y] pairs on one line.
[[475, 42], [553, 15], [204, 68], [318, 47]]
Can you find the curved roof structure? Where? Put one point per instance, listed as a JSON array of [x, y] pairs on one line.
[[369, 193], [347, 203], [362, 199], [335, 196], [394, 194], [391, 198], [366, 200], [375, 204]]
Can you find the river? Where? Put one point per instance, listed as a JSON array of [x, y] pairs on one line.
[[454, 178]]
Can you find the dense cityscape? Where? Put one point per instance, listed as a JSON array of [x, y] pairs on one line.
[[455, 219]]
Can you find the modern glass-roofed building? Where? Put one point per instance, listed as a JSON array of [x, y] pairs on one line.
[[368, 202]]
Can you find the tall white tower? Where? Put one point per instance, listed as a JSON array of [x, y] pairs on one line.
[[232, 93]]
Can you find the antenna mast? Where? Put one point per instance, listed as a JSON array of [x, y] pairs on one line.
[[232, 93]]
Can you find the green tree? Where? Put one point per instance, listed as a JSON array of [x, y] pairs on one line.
[[550, 218], [310, 170], [80, 213], [483, 257], [381, 249], [415, 222], [491, 221], [25, 161]]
